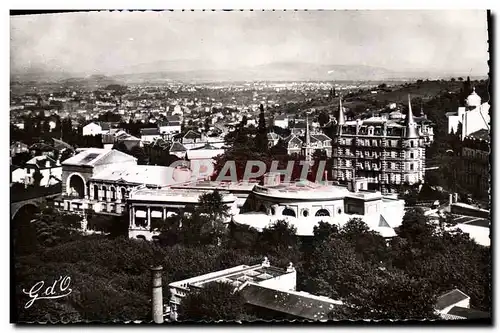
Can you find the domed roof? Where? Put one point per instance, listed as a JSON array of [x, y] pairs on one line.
[[473, 99]]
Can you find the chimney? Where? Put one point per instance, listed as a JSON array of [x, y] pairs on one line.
[[157, 294]]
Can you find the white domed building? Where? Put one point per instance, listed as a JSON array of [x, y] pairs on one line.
[[474, 116]]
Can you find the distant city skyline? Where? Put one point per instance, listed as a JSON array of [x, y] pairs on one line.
[[113, 43]]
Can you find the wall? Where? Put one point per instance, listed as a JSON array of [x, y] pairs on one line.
[[474, 120]]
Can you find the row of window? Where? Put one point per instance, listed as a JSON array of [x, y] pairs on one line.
[[378, 143], [374, 154], [304, 212], [110, 193]]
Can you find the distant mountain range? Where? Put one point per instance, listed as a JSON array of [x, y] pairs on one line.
[[192, 71]]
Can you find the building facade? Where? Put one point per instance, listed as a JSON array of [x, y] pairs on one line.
[[470, 118], [305, 204], [474, 167], [150, 207], [387, 152]]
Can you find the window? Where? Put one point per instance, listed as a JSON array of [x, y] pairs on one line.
[[412, 155], [412, 144], [289, 212], [322, 212], [305, 212], [411, 166], [339, 211]]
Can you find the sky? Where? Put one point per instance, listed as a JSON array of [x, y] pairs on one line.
[[122, 42]]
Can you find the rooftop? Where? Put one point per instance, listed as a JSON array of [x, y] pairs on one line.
[[299, 304], [169, 194], [139, 174], [450, 298], [467, 313]]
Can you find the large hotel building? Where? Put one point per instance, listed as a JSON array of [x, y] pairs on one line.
[[387, 150]]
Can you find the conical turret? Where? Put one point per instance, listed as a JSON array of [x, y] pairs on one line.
[[411, 131], [341, 118]]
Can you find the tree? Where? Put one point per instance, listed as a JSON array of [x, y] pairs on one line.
[[367, 243], [65, 154], [389, 295], [244, 121], [138, 152], [207, 124], [280, 241], [416, 227], [54, 227], [261, 139], [323, 118], [213, 205], [215, 301], [21, 159], [121, 146], [37, 177]]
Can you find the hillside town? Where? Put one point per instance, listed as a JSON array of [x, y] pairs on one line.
[[306, 200]]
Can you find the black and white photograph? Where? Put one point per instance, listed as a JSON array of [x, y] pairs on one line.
[[245, 166]]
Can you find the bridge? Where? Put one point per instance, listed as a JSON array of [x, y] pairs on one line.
[[33, 197]]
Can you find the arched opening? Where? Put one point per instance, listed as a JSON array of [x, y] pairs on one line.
[[141, 237], [289, 212], [96, 192], [113, 193], [123, 194], [104, 193], [322, 212], [76, 186]]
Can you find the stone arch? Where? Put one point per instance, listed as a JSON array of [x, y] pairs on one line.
[[322, 212], [25, 211], [76, 186]]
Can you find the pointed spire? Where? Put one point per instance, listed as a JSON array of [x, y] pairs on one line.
[[308, 137], [410, 122], [341, 119]]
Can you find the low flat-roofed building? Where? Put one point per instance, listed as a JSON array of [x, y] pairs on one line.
[[455, 305], [305, 204], [146, 206], [264, 286]]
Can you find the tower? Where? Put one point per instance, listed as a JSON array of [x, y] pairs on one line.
[[308, 141], [412, 166], [341, 117]]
